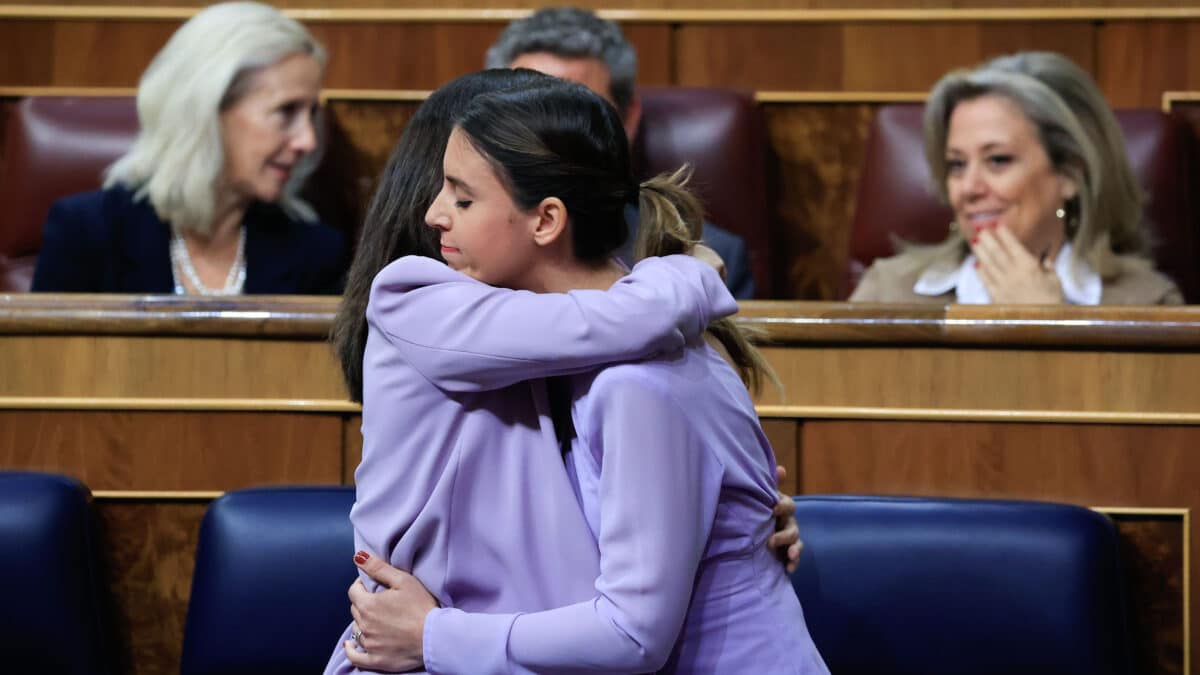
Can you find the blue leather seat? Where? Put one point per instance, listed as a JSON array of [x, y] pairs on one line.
[[52, 608], [269, 592], [951, 586]]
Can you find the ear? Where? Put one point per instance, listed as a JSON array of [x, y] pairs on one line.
[[551, 221], [633, 117]]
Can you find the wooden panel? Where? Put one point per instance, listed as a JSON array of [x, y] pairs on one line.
[[106, 54], [760, 56], [129, 366], [784, 436], [818, 150], [1152, 554], [983, 380], [34, 41], [869, 50], [1140, 60], [352, 443], [1086, 465], [402, 56], [150, 550], [173, 450]]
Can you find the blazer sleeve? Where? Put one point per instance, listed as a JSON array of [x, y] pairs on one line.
[[463, 335], [651, 542], [66, 263]]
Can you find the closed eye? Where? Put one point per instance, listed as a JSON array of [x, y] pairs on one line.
[[462, 203]]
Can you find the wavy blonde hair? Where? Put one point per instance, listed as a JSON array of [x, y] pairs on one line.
[[206, 66], [1079, 133]]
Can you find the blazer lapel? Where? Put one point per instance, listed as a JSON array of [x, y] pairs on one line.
[[146, 251]]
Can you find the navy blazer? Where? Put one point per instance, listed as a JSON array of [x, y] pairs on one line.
[[739, 278], [106, 242]]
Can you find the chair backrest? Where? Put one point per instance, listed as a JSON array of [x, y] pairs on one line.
[[950, 586], [721, 133], [53, 613], [55, 146], [896, 198], [269, 592]]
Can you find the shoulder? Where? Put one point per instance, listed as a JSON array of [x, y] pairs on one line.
[[892, 279], [721, 239], [1136, 282], [93, 214], [643, 387], [315, 235]]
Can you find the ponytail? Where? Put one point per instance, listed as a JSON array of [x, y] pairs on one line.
[[671, 221]]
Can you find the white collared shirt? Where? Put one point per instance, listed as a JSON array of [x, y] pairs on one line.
[[1081, 285]]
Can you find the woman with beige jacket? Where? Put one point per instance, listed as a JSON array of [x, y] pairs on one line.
[[1046, 208]]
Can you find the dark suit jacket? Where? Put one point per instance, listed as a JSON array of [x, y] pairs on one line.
[[739, 278], [105, 242]]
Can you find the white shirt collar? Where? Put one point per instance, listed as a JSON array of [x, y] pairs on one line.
[[1081, 285]]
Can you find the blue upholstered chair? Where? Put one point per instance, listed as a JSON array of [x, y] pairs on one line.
[[950, 586], [52, 612], [269, 592]]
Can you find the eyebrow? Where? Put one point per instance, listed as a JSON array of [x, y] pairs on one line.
[[459, 184]]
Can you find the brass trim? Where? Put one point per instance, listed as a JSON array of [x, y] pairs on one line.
[[464, 15], [1169, 98], [406, 95], [840, 96], [164, 495], [968, 415], [418, 95], [177, 404]]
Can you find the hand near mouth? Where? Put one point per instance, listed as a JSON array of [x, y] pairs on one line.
[[1011, 274]]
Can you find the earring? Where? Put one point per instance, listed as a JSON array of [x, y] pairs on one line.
[[953, 226], [1061, 213]]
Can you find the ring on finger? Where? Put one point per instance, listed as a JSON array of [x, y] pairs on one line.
[[356, 635]]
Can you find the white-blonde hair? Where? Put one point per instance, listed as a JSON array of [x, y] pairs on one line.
[[208, 64]]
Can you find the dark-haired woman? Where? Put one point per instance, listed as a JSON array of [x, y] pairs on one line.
[[667, 459], [463, 487]]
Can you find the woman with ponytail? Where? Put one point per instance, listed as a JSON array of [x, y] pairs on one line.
[[673, 473]]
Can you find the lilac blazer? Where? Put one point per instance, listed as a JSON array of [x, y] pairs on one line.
[[462, 483], [677, 482]]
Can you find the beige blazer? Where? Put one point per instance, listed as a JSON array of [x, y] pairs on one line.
[[1135, 282]]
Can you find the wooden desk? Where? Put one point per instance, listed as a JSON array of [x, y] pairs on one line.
[[159, 404]]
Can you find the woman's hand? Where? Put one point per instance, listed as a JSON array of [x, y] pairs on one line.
[[1010, 273], [705, 254], [390, 623], [786, 539]]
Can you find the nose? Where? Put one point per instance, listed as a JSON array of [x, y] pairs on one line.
[[304, 140], [436, 216]]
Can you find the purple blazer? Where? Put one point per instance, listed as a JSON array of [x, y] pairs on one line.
[[462, 482]]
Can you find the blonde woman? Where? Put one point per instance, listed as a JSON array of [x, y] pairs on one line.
[[1047, 210], [205, 200]]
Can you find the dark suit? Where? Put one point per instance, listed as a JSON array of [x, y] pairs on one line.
[[105, 242], [739, 278]]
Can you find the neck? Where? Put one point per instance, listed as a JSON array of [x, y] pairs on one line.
[[571, 275], [227, 225]]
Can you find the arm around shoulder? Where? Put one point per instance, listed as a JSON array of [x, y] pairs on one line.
[[467, 336]]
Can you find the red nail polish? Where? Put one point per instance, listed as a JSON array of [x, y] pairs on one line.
[[976, 264], [361, 557]]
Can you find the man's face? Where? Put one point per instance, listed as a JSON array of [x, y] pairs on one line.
[[590, 72]]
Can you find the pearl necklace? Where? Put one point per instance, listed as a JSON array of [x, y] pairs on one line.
[[181, 263]]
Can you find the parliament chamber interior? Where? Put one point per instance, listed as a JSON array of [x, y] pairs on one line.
[[980, 488]]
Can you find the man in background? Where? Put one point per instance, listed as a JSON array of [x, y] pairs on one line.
[[577, 45]]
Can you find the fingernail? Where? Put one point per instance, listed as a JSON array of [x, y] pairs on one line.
[[976, 264], [974, 239], [361, 557]]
